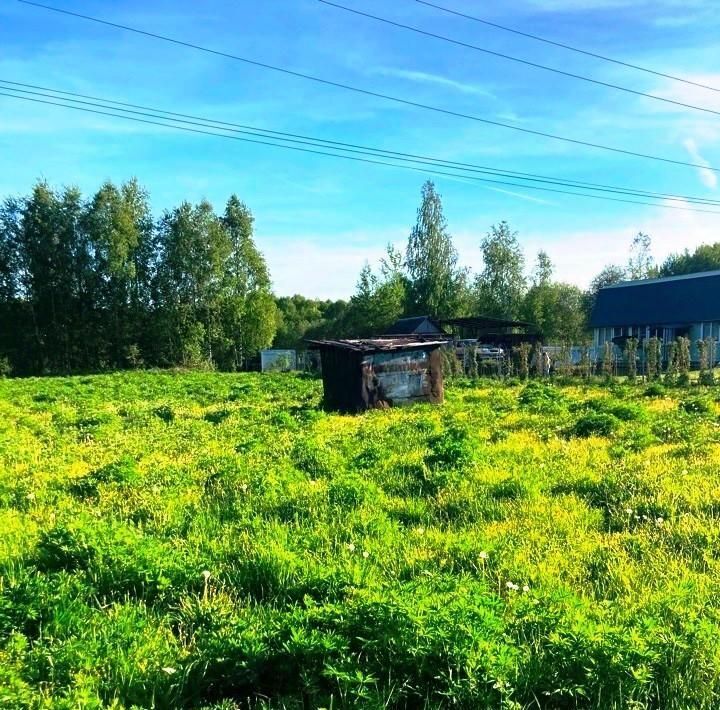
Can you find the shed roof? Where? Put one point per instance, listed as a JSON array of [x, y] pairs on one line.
[[487, 322], [673, 300], [413, 325], [371, 345]]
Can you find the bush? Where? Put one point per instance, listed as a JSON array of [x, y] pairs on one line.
[[655, 389], [539, 397], [696, 405], [595, 424]]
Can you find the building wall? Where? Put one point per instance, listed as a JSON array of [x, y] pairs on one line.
[[697, 331]]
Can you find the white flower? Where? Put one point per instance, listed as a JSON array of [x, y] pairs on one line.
[[526, 588], [660, 521], [206, 574], [366, 554], [628, 511], [512, 585], [483, 555], [351, 547], [244, 487], [421, 531], [169, 670]]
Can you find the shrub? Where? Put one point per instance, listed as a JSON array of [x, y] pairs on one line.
[[595, 424], [696, 405], [540, 397], [655, 389]]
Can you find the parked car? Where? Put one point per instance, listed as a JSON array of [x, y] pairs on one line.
[[482, 351]]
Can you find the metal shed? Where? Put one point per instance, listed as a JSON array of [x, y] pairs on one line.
[[380, 372], [502, 332]]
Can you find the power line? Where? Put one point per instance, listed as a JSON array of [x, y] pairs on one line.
[[423, 170], [567, 46], [345, 146], [375, 94], [509, 57]]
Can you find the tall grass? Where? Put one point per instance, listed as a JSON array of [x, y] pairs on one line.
[[208, 540]]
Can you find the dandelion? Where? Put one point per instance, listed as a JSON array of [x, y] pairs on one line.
[[351, 547], [660, 521], [526, 588], [366, 554], [629, 511], [512, 585], [483, 555], [244, 488], [206, 574]]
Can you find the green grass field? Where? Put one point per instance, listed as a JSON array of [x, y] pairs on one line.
[[206, 540]]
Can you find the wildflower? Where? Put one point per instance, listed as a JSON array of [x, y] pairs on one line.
[[644, 517], [660, 520], [244, 487], [512, 585], [366, 554], [526, 588], [483, 555], [351, 547], [421, 531], [629, 511], [169, 670], [206, 574]]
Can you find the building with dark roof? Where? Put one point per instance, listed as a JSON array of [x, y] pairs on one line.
[[667, 308], [415, 325]]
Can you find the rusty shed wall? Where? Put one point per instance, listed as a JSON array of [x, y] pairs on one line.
[[355, 381]]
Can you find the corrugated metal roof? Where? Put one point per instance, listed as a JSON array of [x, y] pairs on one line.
[[487, 322], [674, 300], [379, 344]]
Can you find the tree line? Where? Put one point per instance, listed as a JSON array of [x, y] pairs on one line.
[[428, 279], [97, 283]]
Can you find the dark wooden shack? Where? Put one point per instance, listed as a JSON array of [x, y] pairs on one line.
[[380, 372]]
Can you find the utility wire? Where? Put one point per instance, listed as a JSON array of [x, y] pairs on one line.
[[566, 46], [433, 171], [376, 94], [509, 57], [350, 147]]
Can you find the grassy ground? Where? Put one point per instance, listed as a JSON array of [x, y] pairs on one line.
[[205, 540]]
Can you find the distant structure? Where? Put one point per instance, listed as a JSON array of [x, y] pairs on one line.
[[278, 360], [380, 372], [664, 308], [499, 332], [416, 325]]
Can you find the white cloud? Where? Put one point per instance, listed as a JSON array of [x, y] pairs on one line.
[[319, 269], [329, 269], [708, 177], [427, 78]]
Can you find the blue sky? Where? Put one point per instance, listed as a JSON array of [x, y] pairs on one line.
[[318, 219]]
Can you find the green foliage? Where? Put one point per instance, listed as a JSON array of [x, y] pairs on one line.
[[501, 285], [540, 397], [696, 405], [655, 389], [595, 424], [216, 540], [88, 285], [435, 282]]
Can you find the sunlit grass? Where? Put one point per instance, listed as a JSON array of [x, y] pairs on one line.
[[198, 539]]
